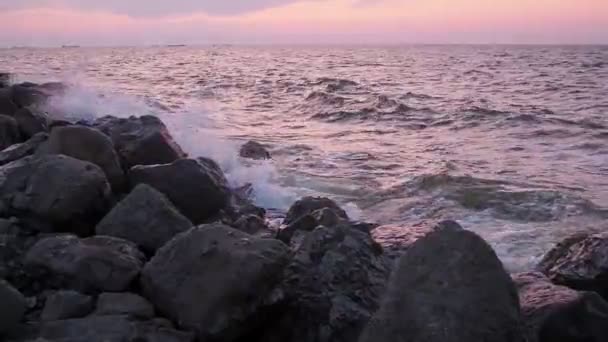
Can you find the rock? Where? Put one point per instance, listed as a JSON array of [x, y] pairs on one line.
[[448, 286], [254, 150], [30, 122], [5, 79], [306, 223], [18, 151], [308, 205], [556, 313], [66, 304], [192, 187], [330, 290], [12, 307], [87, 144], [227, 273], [9, 132], [251, 224], [123, 304], [579, 262], [59, 123], [145, 217], [109, 328], [95, 264], [68, 193], [7, 106], [26, 94], [141, 141]]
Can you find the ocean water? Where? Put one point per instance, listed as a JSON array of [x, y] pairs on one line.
[[511, 141]]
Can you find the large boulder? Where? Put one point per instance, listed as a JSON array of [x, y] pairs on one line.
[[107, 328], [18, 151], [12, 307], [27, 94], [225, 272], [141, 140], [123, 304], [448, 286], [308, 205], [31, 122], [90, 265], [66, 304], [7, 106], [194, 188], [556, 313], [330, 289], [145, 217], [90, 145], [68, 193], [580, 262], [5, 79], [254, 150], [9, 132]]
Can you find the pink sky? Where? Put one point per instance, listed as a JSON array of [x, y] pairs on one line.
[[145, 22]]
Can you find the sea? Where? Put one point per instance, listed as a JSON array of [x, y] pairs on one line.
[[510, 141]]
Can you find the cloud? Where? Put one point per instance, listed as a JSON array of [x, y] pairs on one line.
[[152, 8]]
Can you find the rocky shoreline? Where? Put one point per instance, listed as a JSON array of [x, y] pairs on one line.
[[109, 231]]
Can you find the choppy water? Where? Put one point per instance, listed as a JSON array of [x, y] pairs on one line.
[[511, 141]]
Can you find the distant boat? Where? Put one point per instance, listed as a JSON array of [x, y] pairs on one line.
[[70, 46], [176, 45]]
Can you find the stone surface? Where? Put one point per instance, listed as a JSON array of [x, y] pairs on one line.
[[62, 191], [254, 150], [12, 307], [227, 273], [448, 286], [31, 122], [330, 289], [141, 140], [308, 205], [87, 144], [25, 95], [145, 217], [67, 304], [556, 313], [194, 188], [580, 262], [9, 132], [90, 265], [251, 224], [123, 304], [18, 151], [306, 223], [7, 106]]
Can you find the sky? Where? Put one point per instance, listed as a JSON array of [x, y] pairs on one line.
[[150, 22]]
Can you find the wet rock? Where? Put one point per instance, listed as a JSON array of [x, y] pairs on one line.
[[254, 150], [306, 223], [227, 273], [145, 217], [9, 132], [251, 224], [141, 140], [580, 262], [109, 328], [7, 106], [66, 304], [556, 313], [330, 290], [87, 144], [18, 151], [62, 191], [123, 304], [194, 188], [26, 94], [90, 265], [5, 79], [59, 123], [448, 286], [12, 307], [31, 122], [308, 205]]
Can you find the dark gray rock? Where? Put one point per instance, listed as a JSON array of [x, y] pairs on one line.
[[7, 106], [90, 265], [251, 224], [68, 193], [12, 307], [306, 223], [225, 272], [67, 304], [18, 151], [5, 79], [145, 217], [254, 150], [579, 262], [31, 122], [556, 313], [308, 205], [141, 141], [26, 94], [330, 290], [123, 304], [109, 328], [9, 132], [448, 286], [193, 187], [87, 144]]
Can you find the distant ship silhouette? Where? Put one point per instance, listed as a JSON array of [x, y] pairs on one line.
[[70, 46]]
